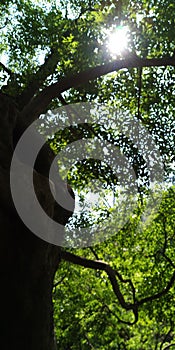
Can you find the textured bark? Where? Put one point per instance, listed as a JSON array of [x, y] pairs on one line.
[[28, 264]]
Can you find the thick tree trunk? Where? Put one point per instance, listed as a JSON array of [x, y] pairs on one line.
[[28, 264], [28, 267]]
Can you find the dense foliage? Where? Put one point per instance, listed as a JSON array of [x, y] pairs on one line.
[[87, 312], [45, 43]]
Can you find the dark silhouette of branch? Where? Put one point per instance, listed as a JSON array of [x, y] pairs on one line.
[[7, 70], [94, 252], [127, 281], [83, 11], [160, 294], [38, 104], [167, 338], [117, 317], [102, 266], [37, 79], [88, 341], [63, 101], [12, 82], [169, 260], [59, 282], [169, 346]]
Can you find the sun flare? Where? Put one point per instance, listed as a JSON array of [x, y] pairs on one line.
[[118, 40]]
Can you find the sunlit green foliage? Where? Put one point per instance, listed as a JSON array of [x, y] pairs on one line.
[[86, 309], [87, 312]]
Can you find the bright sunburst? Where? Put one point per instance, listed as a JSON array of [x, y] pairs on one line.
[[118, 40]]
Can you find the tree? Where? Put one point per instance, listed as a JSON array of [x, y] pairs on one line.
[[55, 54], [87, 313]]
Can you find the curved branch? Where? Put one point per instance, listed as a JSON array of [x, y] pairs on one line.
[[160, 294], [100, 265], [169, 346], [38, 104], [169, 260]]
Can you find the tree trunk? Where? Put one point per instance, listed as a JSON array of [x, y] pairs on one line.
[[28, 267], [28, 264]]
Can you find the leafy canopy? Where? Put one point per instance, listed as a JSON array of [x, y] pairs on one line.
[[55, 53]]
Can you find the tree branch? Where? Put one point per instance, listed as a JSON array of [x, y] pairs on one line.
[[102, 266], [59, 282], [166, 338], [117, 317], [7, 70], [169, 260], [94, 252], [160, 294], [39, 103], [36, 80], [88, 341], [169, 346]]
